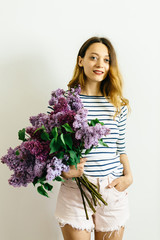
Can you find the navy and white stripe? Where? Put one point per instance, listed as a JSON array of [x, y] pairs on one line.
[[102, 161]]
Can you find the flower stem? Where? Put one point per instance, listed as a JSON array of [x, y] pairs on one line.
[[84, 204], [94, 199], [89, 203], [92, 189], [86, 179]]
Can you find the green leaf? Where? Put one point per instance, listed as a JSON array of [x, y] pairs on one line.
[[60, 142], [72, 162], [42, 179], [39, 180], [102, 143], [45, 136], [17, 153], [48, 186], [35, 181], [55, 133], [62, 138], [54, 146], [67, 128], [87, 151], [68, 140], [72, 154], [94, 122], [21, 134], [41, 190], [59, 179], [74, 159]]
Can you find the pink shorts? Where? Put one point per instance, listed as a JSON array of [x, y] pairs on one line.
[[70, 210]]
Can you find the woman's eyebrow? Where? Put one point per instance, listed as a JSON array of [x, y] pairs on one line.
[[98, 54]]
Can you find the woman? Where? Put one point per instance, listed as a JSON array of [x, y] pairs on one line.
[[101, 93]]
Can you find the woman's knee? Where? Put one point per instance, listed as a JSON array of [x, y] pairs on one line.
[[70, 233]]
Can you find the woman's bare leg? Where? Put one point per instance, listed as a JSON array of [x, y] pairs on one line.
[[70, 233], [115, 235]]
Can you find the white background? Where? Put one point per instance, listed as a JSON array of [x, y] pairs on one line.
[[39, 42]]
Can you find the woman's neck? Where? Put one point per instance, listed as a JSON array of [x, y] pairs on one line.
[[91, 90]]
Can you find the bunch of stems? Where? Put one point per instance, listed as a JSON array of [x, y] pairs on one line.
[[95, 196]]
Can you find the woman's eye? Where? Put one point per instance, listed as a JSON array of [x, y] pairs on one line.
[[93, 58], [106, 60]]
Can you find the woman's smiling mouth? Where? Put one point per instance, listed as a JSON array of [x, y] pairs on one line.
[[98, 72]]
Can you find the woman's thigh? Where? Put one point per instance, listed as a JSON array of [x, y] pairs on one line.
[[115, 235], [70, 233]]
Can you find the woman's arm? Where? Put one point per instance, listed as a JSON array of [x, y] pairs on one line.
[[126, 180], [126, 167]]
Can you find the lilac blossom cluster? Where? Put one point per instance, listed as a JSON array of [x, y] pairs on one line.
[[26, 167], [89, 134], [64, 101], [59, 166], [22, 165]]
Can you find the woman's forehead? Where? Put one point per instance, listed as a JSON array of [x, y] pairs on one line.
[[98, 48]]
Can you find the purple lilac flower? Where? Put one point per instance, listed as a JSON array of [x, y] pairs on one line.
[[58, 92], [33, 135], [40, 120], [48, 120], [89, 134], [54, 120], [67, 117], [75, 102], [39, 168], [22, 165], [80, 119], [51, 174], [101, 129], [73, 98], [39, 149], [61, 106], [22, 178], [55, 95], [36, 119], [55, 168]]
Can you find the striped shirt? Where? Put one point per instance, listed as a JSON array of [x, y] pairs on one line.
[[102, 161]]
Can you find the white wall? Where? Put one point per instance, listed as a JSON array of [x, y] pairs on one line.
[[39, 42]]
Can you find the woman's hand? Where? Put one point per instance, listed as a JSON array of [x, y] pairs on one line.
[[73, 172], [121, 183], [126, 180]]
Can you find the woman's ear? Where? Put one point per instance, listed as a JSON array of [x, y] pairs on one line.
[[80, 61]]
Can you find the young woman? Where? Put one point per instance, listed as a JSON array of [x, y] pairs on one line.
[[101, 93]]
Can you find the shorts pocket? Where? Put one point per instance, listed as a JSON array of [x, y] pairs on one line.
[[116, 197], [118, 191]]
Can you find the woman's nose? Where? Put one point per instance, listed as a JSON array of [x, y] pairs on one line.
[[99, 63]]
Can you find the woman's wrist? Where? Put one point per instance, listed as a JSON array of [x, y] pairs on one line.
[[129, 178], [65, 175]]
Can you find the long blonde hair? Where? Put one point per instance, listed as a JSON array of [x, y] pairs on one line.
[[112, 85]]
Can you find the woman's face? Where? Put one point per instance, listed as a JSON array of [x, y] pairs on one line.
[[95, 62]]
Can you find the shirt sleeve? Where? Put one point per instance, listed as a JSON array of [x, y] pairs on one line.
[[121, 148]]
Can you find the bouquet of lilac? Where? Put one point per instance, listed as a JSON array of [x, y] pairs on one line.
[[55, 141]]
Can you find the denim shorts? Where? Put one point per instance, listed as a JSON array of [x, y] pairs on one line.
[[70, 210]]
